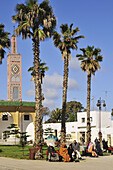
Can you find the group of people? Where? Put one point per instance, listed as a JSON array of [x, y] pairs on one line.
[[68, 154], [96, 149]]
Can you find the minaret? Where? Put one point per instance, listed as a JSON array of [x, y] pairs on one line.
[[14, 73]]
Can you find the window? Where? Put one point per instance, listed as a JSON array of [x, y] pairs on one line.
[[83, 120], [14, 51], [26, 117], [5, 117], [15, 93], [91, 119]]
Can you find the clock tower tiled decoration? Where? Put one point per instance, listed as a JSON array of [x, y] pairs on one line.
[[14, 74]]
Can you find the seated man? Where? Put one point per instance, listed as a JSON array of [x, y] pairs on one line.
[[70, 151], [52, 155], [76, 148], [98, 149]]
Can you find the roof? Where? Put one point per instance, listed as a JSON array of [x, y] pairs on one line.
[[13, 106], [16, 103]]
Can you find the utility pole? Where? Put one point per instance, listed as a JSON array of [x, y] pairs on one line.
[[99, 103]]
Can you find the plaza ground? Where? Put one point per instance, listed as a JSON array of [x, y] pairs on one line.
[[101, 163]]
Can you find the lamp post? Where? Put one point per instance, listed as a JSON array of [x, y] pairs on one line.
[[99, 103]]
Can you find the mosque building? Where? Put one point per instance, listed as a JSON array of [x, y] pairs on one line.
[[14, 110]]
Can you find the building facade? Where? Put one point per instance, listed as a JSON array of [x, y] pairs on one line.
[[24, 117], [78, 130], [20, 113]]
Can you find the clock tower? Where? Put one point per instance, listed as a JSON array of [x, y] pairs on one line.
[[14, 73]]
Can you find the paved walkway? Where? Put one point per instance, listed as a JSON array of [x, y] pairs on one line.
[[101, 163]]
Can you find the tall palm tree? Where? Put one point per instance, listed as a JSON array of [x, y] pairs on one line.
[[65, 42], [4, 42], [90, 63], [35, 21]]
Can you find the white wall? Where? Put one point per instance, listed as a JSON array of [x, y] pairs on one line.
[[4, 124], [27, 126]]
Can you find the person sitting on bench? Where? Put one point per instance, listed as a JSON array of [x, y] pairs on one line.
[[70, 151], [64, 152], [91, 149], [52, 155], [76, 148]]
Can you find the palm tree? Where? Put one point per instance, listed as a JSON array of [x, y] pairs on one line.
[[42, 69], [4, 42], [35, 21], [90, 63], [65, 42]]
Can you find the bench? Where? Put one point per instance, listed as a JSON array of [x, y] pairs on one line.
[[110, 149], [86, 153]]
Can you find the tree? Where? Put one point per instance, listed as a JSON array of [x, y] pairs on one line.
[[65, 42], [90, 63], [4, 42], [55, 116], [6, 134], [23, 140], [13, 130], [42, 69], [72, 108], [35, 21], [48, 131]]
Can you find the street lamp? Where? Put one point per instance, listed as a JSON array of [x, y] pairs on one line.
[[100, 101]]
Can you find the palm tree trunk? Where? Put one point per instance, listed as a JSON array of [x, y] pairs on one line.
[[88, 108], [38, 99], [65, 86]]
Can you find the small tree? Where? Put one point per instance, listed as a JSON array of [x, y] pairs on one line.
[[6, 134], [23, 140], [13, 130], [48, 131]]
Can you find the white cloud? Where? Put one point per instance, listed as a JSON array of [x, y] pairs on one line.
[[74, 63], [72, 84], [52, 89], [49, 103], [30, 92], [50, 93], [56, 81]]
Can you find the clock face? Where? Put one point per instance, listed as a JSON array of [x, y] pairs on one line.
[[15, 69]]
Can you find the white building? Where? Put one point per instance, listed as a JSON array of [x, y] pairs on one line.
[[74, 130], [78, 129]]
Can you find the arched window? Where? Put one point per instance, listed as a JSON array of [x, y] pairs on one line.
[[15, 93]]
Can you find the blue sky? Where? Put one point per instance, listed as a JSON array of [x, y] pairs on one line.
[[95, 21]]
